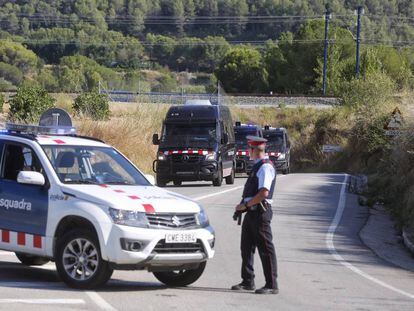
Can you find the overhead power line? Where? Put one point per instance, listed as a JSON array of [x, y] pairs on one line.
[[203, 43]]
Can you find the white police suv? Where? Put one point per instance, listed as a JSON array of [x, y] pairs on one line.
[[81, 203]]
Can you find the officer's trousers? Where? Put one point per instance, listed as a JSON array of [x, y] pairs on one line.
[[256, 232]]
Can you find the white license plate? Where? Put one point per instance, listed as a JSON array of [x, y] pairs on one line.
[[180, 238]]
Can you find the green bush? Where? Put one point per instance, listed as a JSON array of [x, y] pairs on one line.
[[93, 105], [29, 103]]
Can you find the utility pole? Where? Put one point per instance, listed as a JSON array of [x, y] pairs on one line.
[[359, 12], [328, 16]]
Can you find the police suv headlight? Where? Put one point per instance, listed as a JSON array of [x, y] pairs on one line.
[[210, 157], [202, 218], [162, 157], [128, 218], [282, 156]]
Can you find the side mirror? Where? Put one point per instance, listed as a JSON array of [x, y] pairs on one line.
[[31, 178], [225, 138], [150, 178], [155, 139]]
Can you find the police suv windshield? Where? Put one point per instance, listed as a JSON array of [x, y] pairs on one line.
[[241, 133], [189, 135], [93, 165], [274, 140]]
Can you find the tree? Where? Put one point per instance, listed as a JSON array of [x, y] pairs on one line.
[[242, 71], [14, 53]]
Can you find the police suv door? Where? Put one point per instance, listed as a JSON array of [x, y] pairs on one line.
[[23, 208]]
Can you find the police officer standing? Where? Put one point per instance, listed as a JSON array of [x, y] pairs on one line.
[[256, 230]]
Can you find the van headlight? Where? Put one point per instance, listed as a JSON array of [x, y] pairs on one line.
[[210, 157], [282, 156], [202, 218], [128, 218], [162, 157]]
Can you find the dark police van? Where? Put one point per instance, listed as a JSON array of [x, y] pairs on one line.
[[243, 162], [278, 147], [196, 143]]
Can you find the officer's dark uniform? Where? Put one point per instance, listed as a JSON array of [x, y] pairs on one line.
[[256, 232]]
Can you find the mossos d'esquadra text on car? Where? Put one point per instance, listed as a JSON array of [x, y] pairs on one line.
[[79, 202]]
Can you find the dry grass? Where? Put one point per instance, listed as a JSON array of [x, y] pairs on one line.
[[129, 130]]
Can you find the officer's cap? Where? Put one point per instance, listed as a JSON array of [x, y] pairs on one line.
[[256, 141]]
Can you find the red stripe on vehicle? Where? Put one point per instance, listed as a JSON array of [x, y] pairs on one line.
[[133, 197], [103, 186], [58, 141], [5, 236], [149, 208], [119, 191], [37, 241], [21, 238]]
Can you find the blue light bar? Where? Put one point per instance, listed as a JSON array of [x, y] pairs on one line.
[[43, 130]]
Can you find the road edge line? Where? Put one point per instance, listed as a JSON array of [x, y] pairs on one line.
[[331, 247], [216, 193]]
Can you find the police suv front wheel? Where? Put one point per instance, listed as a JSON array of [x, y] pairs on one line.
[[182, 277], [79, 262]]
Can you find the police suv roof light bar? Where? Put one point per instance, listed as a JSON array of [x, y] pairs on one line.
[[54, 121], [42, 130]]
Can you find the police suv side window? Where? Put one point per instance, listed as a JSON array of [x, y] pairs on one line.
[[19, 158]]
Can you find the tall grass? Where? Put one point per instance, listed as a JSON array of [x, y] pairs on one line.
[[129, 130]]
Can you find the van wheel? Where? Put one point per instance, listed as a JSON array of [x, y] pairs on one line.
[[219, 180], [177, 182], [161, 182], [79, 262], [181, 277], [29, 260], [230, 178]]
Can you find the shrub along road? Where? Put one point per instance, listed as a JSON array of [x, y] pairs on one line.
[[322, 263]]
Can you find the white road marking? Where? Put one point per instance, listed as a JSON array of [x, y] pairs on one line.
[[44, 301], [217, 193], [99, 301], [331, 247]]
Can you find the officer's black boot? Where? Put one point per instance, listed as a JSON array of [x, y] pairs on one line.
[[266, 290], [243, 287]]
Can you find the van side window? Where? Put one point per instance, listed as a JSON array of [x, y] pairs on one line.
[[19, 158]]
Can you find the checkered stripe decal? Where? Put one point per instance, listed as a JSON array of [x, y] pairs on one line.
[[243, 153], [22, 239], [189, 151]]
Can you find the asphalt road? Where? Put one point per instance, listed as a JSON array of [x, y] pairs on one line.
[[322, 263]]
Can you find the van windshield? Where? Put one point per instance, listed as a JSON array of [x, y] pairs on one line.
[[93, 165], [189, 135], [274, 141], [241, 133]]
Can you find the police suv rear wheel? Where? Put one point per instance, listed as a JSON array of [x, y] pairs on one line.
[[79, 262], [30, 260], [177, 182], [182, 277]]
